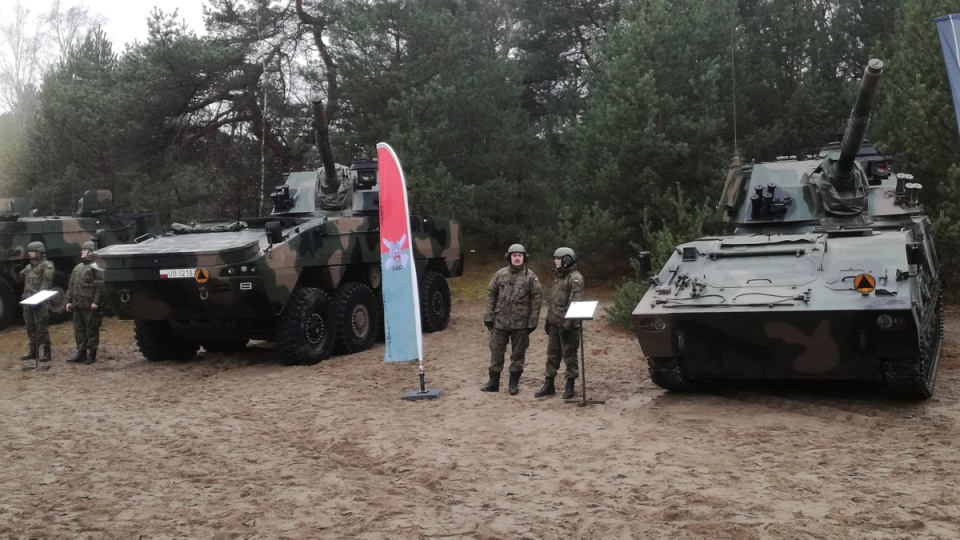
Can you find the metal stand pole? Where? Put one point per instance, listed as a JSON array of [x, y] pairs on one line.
[[583, 402], [422, 393]]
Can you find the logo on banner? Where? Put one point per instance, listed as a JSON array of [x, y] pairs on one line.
[[398, 259]]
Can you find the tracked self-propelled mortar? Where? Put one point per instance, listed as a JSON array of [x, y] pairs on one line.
[[830, 274]]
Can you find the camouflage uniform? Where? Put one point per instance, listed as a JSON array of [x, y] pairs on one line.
[[37, 276], [564, 335], [82, 294], [514, 296]]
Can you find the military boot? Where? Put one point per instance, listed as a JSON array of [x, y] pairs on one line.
[[32, 355], [514, 381], [568, 392], [493, 385], [80, 356], [547, 389], [44, 363], [28, 364], [91, 357]]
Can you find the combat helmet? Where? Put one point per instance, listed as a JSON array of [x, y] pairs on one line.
[[36, 246], [516, 248], [89, 244], [567, 258]]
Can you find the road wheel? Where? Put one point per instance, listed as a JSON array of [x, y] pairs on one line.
[[57, 304], [357, 317], [225, 346], [306, 331], [434, 302], [666, 373], [158, 342]]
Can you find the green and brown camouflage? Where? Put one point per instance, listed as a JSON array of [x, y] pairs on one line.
[[830, 274], [306, 277], [63, 237]]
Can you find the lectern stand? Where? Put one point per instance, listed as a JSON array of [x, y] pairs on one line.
[[582, 311]]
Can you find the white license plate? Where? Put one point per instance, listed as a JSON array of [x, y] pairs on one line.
[[178, 273]]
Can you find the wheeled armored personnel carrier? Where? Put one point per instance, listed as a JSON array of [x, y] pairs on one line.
[[62, 236], [830, 274], [306, 277]]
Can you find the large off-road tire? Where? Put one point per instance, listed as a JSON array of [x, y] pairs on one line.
[[307, 329], [158, 342], [357, 316], [666, 373], [57, 304], [8, 303], [434, 302], [224, 346]]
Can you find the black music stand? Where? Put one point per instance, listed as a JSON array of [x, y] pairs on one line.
[[582, 311]]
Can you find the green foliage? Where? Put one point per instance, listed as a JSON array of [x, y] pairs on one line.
[[654, 116], [603, 125], [625, 300], [687, 224], [917, 123], [946, 229]]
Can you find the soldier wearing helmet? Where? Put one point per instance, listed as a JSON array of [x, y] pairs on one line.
[[37, 276], [513, 309], [564, 335], [83, 300]]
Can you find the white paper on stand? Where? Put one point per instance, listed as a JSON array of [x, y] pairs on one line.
[[582, 311], [39, 297]]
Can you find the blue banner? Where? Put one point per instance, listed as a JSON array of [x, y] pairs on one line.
[[401, 297], [949, 28]]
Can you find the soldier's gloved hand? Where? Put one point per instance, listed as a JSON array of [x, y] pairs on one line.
[[530, 330], [488, 324], [68, 307], [568, 326]]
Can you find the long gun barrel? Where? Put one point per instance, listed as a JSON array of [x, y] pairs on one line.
[[859, 117]]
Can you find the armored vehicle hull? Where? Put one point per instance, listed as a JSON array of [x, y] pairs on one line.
[[788, 307], [830, 274], [305, 278], [62, 236]]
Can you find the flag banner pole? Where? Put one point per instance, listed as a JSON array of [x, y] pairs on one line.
[[948, 26], [401, 297]]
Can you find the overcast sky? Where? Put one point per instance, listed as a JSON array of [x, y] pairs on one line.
[[126, 19]]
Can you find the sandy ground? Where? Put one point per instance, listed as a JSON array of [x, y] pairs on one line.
[[239, 446]]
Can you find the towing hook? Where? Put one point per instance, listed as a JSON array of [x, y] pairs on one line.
[[203, 293], [124, 296]]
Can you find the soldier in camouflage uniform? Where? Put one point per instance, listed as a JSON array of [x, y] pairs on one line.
[[564, 335], [513, 310], [83, 300], [37, 276]]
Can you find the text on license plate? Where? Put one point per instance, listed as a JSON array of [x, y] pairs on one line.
[[178, 273]]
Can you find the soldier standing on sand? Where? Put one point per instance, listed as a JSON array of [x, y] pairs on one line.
[[83, 300], [37, 276], [513, 310], [564, 335]]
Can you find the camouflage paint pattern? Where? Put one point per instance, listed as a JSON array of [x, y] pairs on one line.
[[37, 276], [520, 340], [562, 345], [788, 306], [514, 298], [236, 283], [63, 237], [804, 288]]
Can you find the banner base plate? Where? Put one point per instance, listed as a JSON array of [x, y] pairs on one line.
[[417, 395]]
